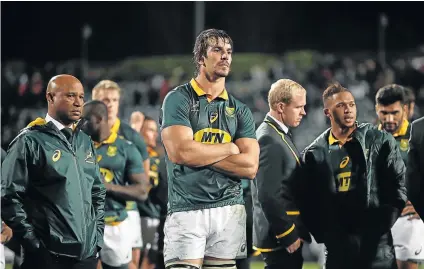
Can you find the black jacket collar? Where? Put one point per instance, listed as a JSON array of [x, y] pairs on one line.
[[274, 123]]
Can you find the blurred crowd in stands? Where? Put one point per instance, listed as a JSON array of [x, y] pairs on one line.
[[23, 86]]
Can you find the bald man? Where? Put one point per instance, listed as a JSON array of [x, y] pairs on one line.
[[54, 196], [278, 232]]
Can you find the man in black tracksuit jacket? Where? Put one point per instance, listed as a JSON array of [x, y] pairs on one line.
[[355, 188]]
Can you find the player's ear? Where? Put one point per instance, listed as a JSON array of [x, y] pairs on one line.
[[376, 109], [405, 107], [201, 61], [99, 119], [327, 113]]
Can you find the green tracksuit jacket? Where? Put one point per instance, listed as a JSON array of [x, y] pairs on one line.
[[53, 191]]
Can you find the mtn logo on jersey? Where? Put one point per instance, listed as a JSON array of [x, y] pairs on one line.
[[212, 136]]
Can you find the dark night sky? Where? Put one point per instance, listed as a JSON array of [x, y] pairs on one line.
[[43, 31]]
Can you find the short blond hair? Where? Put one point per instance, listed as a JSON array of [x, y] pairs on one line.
[[105, 85], [282, 91]]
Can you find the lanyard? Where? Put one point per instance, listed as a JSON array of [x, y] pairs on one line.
[[284, 139]]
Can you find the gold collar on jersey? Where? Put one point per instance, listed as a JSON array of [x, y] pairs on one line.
[[200, 92], [332, 140], [116, 125], [110, 140]]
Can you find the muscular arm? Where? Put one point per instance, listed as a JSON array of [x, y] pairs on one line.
[[136, 191], [177, 135], [183, 150], [243, 165], [139, 185]]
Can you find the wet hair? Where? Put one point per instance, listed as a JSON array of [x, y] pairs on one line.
[[203, 42]]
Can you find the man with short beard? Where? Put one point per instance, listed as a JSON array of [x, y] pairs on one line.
[[392, 102], [355, 178]]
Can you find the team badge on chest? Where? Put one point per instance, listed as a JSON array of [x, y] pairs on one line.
[[111, 151], [229, 111], [404, 144]]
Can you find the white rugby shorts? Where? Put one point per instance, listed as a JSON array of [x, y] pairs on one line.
[[118, 240], [215, 232], [408, 239]]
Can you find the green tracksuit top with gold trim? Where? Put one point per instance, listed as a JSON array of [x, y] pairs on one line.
[[222, 120], [117, 159]]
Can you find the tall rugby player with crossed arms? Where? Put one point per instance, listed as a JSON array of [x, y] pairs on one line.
[[210, 143]]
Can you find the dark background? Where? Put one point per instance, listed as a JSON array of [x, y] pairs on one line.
[[51, 31], [313, 43]]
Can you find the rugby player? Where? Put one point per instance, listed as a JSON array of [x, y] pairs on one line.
[[120, 163], [210, 145], [408, 232]]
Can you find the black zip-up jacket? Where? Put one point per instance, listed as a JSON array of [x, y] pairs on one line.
[[383, 197], [53, 191]]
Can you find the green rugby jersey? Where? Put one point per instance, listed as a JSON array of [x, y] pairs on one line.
[[222, 120], [402, 139], [128, 133], [117, 159]]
